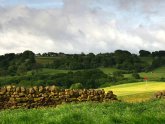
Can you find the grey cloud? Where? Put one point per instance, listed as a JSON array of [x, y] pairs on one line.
[[144, 5], [78, 27]]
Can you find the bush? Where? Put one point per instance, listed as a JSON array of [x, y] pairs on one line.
[[136, 75], [76, 86], [107, 84], [118, 74], [162, 79]]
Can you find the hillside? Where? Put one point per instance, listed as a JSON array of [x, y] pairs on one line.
[[45, 60], [156, 74], [66, 70], [127, 111]]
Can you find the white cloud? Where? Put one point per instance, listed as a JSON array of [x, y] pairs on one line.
[[80, 27]]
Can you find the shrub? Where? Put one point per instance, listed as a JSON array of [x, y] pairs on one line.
[[136, 75], [76, 86], [118, 74]]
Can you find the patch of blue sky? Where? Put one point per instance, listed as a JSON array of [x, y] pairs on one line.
[[38, 4], [45, 5]]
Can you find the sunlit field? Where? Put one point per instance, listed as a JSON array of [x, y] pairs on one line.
[[135, 92], [135, 88]]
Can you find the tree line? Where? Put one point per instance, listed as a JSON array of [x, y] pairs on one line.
[[120, 59], [142, 53], [19, 64]]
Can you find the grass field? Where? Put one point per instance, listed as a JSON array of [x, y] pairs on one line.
[[109, 71], [134, 92], [151, 112], [51, 71], [139, 97], [156, 74], [45, 60], [153, 75]]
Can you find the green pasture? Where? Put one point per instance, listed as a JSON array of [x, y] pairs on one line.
[[156, 74], [153, 75], [109, 70], [52, 71], [45, 60], [150, 112]]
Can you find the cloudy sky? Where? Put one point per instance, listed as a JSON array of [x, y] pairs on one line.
[[75, 26]]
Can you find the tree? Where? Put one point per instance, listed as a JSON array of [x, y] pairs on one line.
[[28, 56], [12, 70], [158, 53], [136, 75], [22, 69], [144, 53], [157, 62], [76, 86], [118, 74]]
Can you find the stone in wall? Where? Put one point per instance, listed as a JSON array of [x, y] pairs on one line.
[[34, 97], [160, 94]]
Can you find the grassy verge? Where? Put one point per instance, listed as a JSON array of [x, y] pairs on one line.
[[151, 112], [140, 97]]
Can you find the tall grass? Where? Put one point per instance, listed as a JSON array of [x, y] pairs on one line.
[[151, 112]]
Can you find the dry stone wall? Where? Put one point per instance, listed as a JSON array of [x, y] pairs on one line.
[[160, 94], [34, 97]]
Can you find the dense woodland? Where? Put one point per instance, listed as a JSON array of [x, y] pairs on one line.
[[119, 59], [17, 64], [86, 74]]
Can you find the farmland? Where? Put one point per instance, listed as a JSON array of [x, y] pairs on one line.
[[102, 71], [135, 92], [45, 60], [50, 71], [82, 62], [134, 88], [152, 75], [156, 74]]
